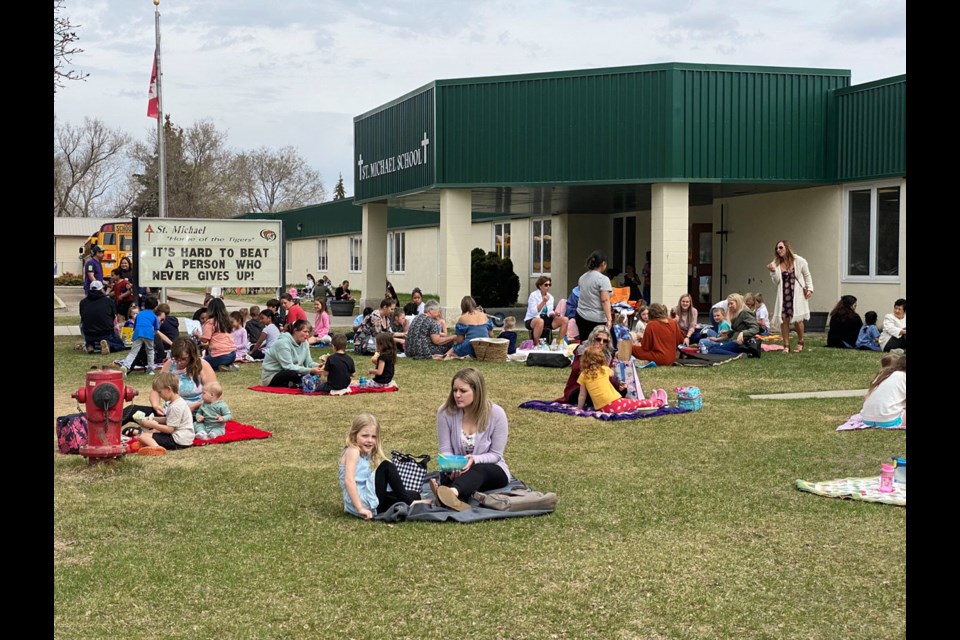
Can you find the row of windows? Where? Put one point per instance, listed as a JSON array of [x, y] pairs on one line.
[[871, 249], [397, 249]]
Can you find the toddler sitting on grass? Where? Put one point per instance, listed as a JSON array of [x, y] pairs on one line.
[[212, 416]]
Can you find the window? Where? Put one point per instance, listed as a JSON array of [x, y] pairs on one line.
[[356, 244], [322, 263], [288, 255], [872, 228], [542, 241], [396, 252], [501, 239]]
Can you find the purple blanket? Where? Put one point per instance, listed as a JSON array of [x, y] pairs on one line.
[[571, 410]]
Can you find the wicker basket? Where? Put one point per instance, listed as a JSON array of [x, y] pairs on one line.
[[490, 349]]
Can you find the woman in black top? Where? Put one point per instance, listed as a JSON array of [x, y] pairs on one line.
[[845, 324]]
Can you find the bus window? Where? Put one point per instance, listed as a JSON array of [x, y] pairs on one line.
[[126, 243], [109, 239]]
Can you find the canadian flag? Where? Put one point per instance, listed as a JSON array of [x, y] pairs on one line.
[[153, 103]]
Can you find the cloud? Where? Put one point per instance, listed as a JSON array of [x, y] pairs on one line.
[[265, 70]]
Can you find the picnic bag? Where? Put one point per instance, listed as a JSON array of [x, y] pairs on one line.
[[517, 500], [412, 469], [626, 372], [71, 432], [309, 383], [689, 398], [556, 359]]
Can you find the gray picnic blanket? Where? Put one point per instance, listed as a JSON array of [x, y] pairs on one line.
[[434, 513]]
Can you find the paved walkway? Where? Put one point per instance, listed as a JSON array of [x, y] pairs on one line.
[[849, 393]]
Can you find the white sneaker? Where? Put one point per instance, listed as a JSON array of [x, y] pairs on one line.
[[124, 370], [151, 372], [203, 435]]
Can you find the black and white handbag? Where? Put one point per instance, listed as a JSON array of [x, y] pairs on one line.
[[412, 469]]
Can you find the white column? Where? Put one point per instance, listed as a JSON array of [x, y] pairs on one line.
[[559, 257], [669, 242], [373, 277], [455, 221]]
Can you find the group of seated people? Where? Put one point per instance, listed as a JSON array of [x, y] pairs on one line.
[[848, 331]]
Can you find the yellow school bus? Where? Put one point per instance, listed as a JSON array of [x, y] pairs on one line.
[[116, 239]]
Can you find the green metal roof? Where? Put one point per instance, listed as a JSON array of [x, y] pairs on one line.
[[341, 217], [872, 130], [672, 122]]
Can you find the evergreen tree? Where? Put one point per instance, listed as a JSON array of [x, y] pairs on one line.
[[338, 192]]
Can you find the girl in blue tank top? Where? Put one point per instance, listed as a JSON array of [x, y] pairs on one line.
[[370, 483]]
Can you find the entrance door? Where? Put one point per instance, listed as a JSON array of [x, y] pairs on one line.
[[624, 243], [701, 266]]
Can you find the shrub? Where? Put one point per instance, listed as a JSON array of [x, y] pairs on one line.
[[67, 280], [493, 282]]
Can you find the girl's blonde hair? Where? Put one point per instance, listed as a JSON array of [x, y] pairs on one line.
[[741, 305], [890, 363], [361, 421], [592, 362], [479, 411], [750, 300], [509, 323]]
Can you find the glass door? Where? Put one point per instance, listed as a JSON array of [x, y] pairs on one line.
[[701, 266]]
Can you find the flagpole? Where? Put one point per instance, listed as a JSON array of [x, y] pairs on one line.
[[160, 152], [161, 155]]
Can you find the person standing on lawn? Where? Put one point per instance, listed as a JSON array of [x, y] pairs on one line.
[[93, 268]]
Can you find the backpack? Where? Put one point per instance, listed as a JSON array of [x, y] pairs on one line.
[[365, 346], [71, 432], [517, 500]]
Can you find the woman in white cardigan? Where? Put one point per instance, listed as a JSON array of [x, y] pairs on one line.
[[894, 332], [791, 274]]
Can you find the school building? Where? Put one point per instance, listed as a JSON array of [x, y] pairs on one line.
[[705, 166]]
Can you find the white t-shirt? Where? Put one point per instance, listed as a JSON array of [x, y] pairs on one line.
[[181, 419], [763, 316], [272, 335], [887, 401]]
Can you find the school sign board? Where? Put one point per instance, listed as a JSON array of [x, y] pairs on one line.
[[190, 252]]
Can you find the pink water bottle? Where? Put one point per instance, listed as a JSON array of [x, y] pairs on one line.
[[886, 478]]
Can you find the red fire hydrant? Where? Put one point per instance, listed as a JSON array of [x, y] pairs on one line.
[[103, 394]]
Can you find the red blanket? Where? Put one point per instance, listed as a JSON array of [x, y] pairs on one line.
[[235, 432], [354, 389]]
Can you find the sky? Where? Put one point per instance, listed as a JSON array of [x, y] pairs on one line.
[[296, 72]]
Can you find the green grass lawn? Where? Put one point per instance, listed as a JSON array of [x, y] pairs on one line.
[[685, 526]]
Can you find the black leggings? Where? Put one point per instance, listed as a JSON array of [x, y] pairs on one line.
[[896, 343], [387, 475], [284, 377], [481, 477], [584, 326]]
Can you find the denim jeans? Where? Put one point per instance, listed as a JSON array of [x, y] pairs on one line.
[[221, 361]]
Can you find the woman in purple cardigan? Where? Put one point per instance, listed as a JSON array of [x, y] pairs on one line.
[[468, 424]]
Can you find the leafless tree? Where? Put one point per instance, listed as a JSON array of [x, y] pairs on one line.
[[64, 48], [198, 173], [89, 164], [269, 180]]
